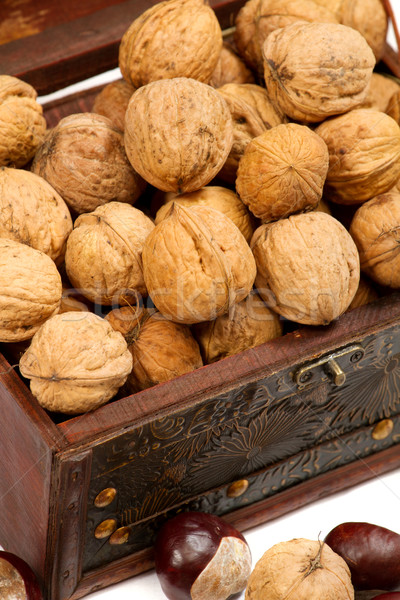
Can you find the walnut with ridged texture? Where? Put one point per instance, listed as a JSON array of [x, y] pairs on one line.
[[317, 70], [178, 133], [177, 38], [283, 172], [103, 259], [230, 68], [22, 124], [364, 155], [84, 159], [31, 290], [218, 197], [366, 16], [375, 230], [33, 213], [258, 18], [248, 324], [252, 114], [308, 267], [112, 101], [197, 264], [76, 362], [161, 349]]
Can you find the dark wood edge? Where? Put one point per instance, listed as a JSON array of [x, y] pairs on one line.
[[73, 51], [65, 540], [206, 382], [300, 495]]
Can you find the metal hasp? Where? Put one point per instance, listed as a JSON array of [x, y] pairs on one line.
[[329, 363]]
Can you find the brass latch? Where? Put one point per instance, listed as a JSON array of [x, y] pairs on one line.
[[330, 365]]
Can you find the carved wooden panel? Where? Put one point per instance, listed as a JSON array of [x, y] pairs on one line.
[[270, 433]]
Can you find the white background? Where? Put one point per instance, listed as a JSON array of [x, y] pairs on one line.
[[377, 501]]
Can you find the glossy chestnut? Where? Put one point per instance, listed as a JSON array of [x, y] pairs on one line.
[[17, 580], [199, 555], [372, 553]]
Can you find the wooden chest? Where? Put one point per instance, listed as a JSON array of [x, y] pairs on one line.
[[248, 438]]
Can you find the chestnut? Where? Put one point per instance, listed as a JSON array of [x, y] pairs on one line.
[[17, 579], [199, 555], [371, 552]]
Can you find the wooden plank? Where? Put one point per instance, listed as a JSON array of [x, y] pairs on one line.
[[75, 50], [28, 442]]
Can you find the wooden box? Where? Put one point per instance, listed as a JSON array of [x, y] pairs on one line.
[[248, 438]]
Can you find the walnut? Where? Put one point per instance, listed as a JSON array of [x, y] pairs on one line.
[[76, 362], [30, 290], [375, 230], [393, 106], [307, 267], [365, 294], [84, 159], [33, 213], [283, 172], [178, 133], [22, 124], [252, 114], [258, 18], [197, 264], [316, 70], [366, 16], [217, 197], [178, 38], [230, 68], [72, 300], [248, 323], [112, 102], [161, 349], [103, 257], [364, 155], [301, 569], [380, 92]]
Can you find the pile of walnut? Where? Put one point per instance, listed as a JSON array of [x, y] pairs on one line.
[[263, 173]]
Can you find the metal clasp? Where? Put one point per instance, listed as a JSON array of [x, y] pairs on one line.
[[330, 365]]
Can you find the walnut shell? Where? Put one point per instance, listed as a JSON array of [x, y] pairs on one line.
[[178, 38], [307, 267], [76, 362], [33, 213], [30, 290], [217, 197], [258, 18], [365, 294], [22, 124], [248, 323], [84, 159], [252, 114], [381, 90], [282, 172], [197, 264], [230, 68], [103, 259], [393, 106], [310, 568], [367, 16], [112, 102], [316, 70], [161, 349], [178, 133], [375, 228], [364, 155]]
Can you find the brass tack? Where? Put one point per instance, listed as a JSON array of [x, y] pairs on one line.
[[382, 429], [105, 528], [105, 497], [237, 488], [120, 536]]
